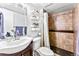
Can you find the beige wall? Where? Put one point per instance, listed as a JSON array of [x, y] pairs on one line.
[[62, 21]]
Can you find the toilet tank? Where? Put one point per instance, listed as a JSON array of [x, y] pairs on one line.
[[36, 43]]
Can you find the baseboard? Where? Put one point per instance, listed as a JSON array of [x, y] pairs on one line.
[[61, 52]]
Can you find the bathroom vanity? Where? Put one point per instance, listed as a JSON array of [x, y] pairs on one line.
[[12, 47], [26, 52]]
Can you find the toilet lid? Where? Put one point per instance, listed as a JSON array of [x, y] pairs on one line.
[[45, 51]]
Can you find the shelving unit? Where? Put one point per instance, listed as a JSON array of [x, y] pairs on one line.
[[35, 21]]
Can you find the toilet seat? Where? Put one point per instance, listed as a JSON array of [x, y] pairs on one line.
[[44, 51]]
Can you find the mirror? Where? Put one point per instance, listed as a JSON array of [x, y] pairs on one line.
[[12, 23]]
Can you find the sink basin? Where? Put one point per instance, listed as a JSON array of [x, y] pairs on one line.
[[14, 45]]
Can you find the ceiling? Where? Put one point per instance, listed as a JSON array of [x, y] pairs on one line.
[[59, 7], [13, 7], [53, 7], [49, 7], [38, 5]]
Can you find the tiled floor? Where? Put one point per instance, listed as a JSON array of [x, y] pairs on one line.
[[56, 54]]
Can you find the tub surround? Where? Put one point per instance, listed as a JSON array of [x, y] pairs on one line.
[[61, 32]]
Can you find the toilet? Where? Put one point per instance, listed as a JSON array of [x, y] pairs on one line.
[[41, 51]]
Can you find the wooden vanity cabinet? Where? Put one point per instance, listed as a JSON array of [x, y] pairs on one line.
[[26, 52]]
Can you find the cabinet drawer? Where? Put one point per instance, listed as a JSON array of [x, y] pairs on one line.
[[27, 53]]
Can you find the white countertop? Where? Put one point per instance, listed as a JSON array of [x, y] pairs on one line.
[[9, 47]]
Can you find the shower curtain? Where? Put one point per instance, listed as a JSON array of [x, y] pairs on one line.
[[46, 35]]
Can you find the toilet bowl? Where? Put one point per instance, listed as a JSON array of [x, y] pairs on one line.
[[41, 51], [44, 51]]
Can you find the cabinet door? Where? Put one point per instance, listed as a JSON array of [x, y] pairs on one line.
[[28, 53]]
